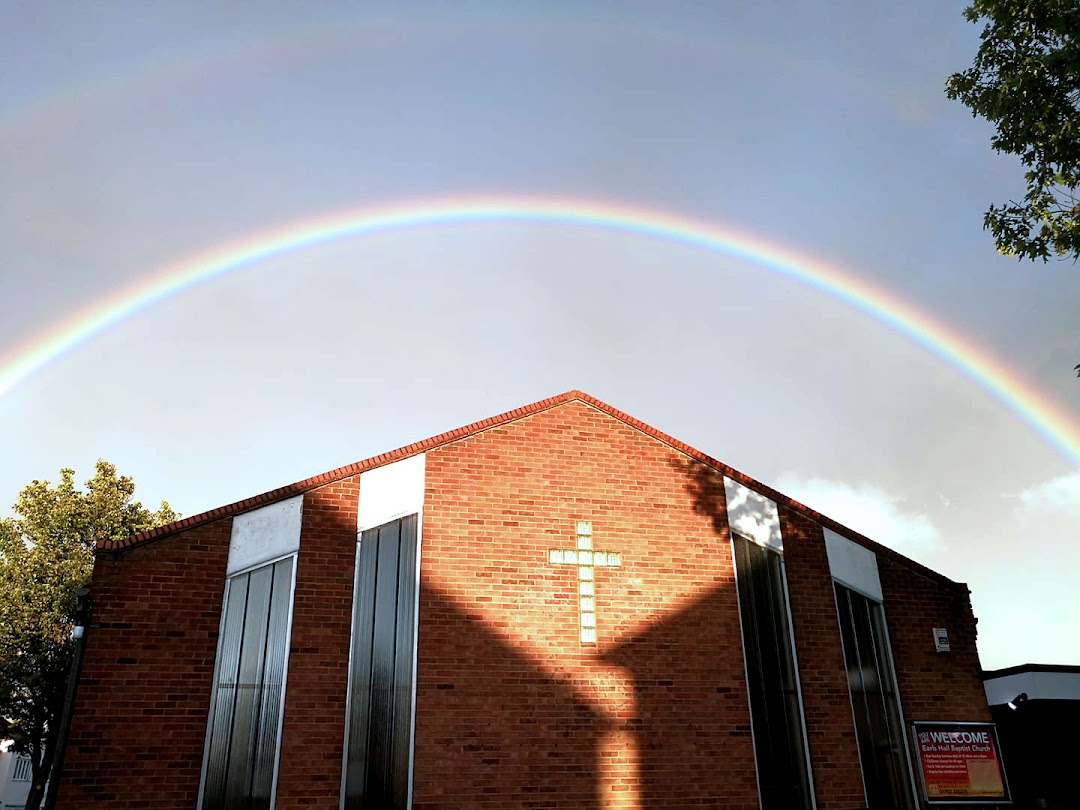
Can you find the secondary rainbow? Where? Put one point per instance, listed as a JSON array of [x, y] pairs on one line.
[[977, 364]]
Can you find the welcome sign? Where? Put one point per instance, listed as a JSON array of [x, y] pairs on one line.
[[960, 763]]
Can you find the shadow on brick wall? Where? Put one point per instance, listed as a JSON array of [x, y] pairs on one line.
[[493, 727], [692, 723], [497, 727]]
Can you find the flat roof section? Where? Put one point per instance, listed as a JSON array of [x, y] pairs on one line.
[[1038, 681]]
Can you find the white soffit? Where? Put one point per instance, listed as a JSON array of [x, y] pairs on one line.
[[853, 565], [753, 515], [265, 534], [1038, 685], [390, 492]]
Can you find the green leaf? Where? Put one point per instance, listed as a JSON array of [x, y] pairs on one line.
[[1025, 80], [46, 553]]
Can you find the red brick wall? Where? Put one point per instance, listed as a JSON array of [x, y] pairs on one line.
[[512, 711], [313, 730], [140, 718], [933, 686], [830, 730]]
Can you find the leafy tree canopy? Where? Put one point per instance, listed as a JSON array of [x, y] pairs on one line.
[[1026, 81], [46, 553]]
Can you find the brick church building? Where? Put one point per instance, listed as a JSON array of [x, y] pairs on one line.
[[558, 607]]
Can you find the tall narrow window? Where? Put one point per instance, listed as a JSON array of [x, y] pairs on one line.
[[380, 724], [245, 715], [775, 709], [878, 725]]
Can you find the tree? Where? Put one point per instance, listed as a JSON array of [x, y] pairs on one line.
[[1026, 81], [46, 553]]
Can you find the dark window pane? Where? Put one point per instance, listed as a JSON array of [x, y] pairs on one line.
[[360, 685], [244, 722], [403, 664], [224, 697], [775, 713], [878, 725], [252, 646], [380, 690], [262, 782], [381, 717]]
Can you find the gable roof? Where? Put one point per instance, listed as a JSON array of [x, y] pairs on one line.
[[425, 445]]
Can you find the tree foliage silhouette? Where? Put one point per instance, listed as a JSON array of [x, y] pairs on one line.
[[1025, 80]]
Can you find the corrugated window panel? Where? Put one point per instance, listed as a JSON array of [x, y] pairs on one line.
[[875, 705], [403, 666], [245, 718], [775, 657], [384, 643], [382, 668], [786, 681], [857, 688], [774, 701], [273, 676], [244, 724], [892, 742], [360, 688], [748, 583], [224, 698], [878, 725]]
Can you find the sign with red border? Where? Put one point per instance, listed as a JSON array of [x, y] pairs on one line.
[[960, 763]]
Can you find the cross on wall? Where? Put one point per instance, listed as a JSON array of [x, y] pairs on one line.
[[586, 561]]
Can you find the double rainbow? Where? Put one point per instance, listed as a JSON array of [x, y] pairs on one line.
[[1034, 408]]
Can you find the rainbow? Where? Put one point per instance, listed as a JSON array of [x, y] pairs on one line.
[[1035, 409]]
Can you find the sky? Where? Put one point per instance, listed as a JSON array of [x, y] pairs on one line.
[[139, 143]]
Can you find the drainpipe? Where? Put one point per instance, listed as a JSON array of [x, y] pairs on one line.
[[78, 632]]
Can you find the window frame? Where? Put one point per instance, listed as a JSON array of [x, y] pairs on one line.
[[419, 513], [284, 675], [808, 763], [879, 604]]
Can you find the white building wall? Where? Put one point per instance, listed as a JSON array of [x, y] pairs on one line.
[[13, 792], [391, 491], [853, 565], [753, 515], [265, 534]]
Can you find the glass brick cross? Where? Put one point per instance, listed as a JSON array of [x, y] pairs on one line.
[[586, 560]]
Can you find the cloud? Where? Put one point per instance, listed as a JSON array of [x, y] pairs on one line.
[[866, 509], [1061, 494]]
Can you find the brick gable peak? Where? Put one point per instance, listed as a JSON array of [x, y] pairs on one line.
[[466, 431]]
